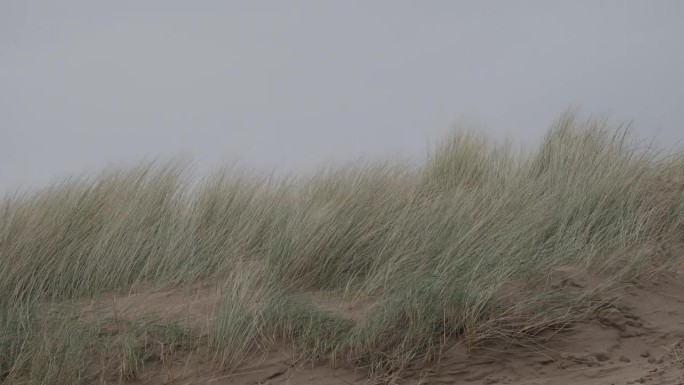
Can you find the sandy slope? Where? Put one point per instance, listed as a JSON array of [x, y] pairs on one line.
[[640, 340]]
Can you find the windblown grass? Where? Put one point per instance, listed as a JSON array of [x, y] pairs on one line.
[[430, 247]]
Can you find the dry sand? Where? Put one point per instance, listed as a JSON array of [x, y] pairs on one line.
[[639, 340]]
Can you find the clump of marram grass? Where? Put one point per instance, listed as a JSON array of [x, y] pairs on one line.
[[238, 333], [430, 247], [43, 346], [139, 344], [257, 312], [469, 159]]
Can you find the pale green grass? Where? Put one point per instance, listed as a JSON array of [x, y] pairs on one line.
[[430, 248]]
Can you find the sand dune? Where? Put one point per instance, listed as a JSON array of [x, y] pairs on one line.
[[638, 339]]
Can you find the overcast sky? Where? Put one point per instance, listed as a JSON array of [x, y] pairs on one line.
[[296, 84]]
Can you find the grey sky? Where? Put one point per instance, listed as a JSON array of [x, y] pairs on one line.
[[294, 84]]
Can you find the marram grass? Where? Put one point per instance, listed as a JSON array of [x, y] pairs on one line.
[[429, 249]]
